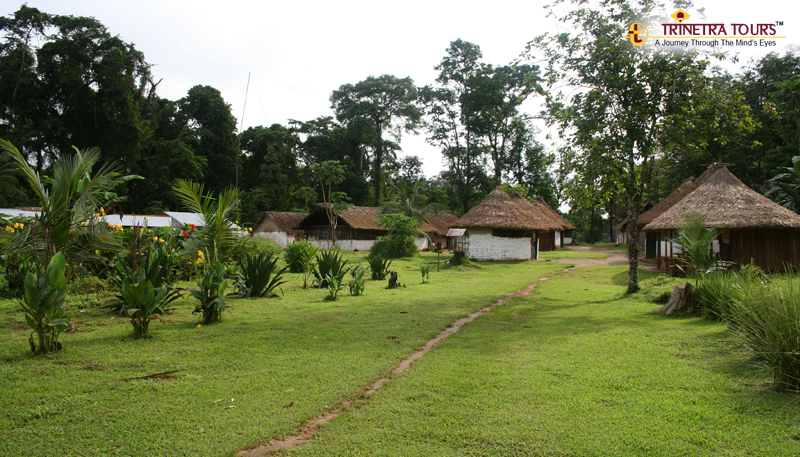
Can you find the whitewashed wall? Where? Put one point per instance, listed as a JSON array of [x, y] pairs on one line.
[[282, 239], [558, 239], [484, 246]]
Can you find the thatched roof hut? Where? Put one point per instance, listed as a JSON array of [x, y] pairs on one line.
[[280, 221], [498, 210], [753, 227], [726, 202], [440, 223], [561, 223]]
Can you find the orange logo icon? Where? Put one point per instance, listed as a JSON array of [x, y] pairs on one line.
[[680, 15], [638, 34]]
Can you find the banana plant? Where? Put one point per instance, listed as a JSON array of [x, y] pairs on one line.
[[211, 293], [43, 303], [141, 303]]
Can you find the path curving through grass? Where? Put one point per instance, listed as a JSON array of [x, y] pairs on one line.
[[307, 431]]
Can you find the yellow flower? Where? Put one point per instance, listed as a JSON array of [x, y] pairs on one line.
[[199, 253], [199, 325], [161, 240], [200, 260], [155, 238], [9, 229]]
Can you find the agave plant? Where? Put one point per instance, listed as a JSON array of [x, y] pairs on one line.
[[330, 264], [379, 266], [71, 201], [261, 274]]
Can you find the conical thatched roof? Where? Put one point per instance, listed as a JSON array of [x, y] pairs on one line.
[[677, 195], [498, 210], [560, 222], [536, 212], [441, 222], [722, 200], [357, 217]]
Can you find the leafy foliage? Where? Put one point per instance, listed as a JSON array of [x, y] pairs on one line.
[[298, 255], [399, 242], [216, 238], [71, 201], [358, 283], [261, 274], [425, 271], [719, 291], [43, 303], [334, 285], [696, 243], [767, 320], [142, 303], [379, 266], [330, 265], [211, 293]]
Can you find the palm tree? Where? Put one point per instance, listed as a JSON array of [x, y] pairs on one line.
[[216, 236], [409, 202], [70, 202]]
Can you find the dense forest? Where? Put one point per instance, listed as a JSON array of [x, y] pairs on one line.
[[67, 82]]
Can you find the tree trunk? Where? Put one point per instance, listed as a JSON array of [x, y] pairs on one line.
[[682, 299], [377, 174], [633, 243]]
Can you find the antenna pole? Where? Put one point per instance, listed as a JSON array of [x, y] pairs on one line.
[[239, 143]]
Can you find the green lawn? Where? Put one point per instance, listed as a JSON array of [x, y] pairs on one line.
[[576, 369], [237, 376], [567, 254]]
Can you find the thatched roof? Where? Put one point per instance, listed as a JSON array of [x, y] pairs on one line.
[[357, 217], [560, 222], [278, 221], [498, 210], [722, 200], [537, 212], [441, 222]]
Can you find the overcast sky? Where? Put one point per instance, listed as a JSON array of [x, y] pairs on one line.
[[298, 52]]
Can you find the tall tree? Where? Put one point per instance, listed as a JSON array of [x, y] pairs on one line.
[[213, 128], [67, 82], [448, 122], [613, 98], [388, 103]]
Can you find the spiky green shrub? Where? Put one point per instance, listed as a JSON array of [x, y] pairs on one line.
[[379, 266], [768, 320], [298, 255], [43, 303], [718, 291], [330, 264], [261, 275], [211, 293]]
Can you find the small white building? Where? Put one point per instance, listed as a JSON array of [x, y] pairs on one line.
[[280, 227], [503, 228]]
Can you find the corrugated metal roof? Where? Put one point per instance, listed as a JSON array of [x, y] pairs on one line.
[[186, 218], [456, 232], [132, 220]]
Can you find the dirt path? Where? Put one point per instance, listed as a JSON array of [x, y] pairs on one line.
[[307, 431], [614, 257]]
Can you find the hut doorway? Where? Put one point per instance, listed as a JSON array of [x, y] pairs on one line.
[[547, 241], [650, 245]]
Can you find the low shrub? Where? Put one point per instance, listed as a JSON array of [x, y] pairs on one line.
[[261, 275], [425, 271], [379, 266], [141, 303], [358, 283], [211, 293], [717, 292], [399, 242], [768, 320], [255, 245], [43, 303], [330, 265], [298, 256], [87, 285]]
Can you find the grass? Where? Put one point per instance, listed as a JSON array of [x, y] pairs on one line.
[[567, 254], [575, 369], [237, 377]]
